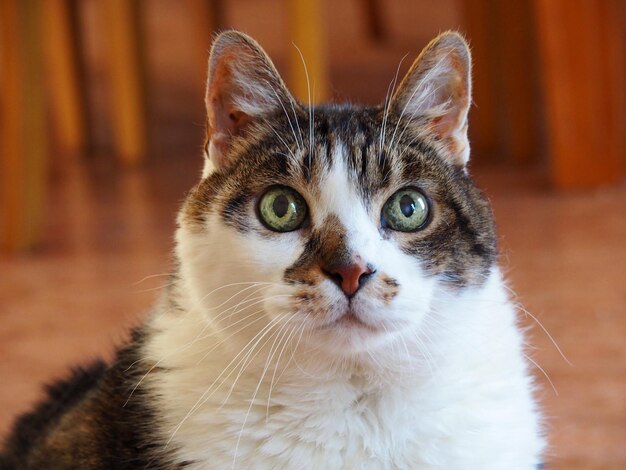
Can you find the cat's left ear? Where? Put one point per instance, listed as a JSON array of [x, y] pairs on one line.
[[435, 95], [243, 86]]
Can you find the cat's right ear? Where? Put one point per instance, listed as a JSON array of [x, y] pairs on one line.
[[242, 87]]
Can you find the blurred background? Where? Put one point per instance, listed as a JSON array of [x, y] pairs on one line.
[[102, 126]]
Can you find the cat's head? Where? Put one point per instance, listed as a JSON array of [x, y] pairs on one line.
[[343, 222]]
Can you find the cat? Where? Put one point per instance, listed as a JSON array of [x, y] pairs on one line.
[[337, 301]]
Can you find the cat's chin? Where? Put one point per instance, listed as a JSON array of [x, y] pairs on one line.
[[350, 334], [350, 320]]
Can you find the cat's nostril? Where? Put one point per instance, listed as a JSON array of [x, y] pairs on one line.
[[349, 276], [366, 275], [335, 277]]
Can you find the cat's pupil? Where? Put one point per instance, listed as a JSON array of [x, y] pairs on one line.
[[407, 205], [280, 205]]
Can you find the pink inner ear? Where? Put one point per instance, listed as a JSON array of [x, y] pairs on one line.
[[453, 121], [223, 126], [225, 121], [451, 129], [224, 118], [219, 101], [239, 120]]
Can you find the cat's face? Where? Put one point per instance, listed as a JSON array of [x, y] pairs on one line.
[[344, 223]]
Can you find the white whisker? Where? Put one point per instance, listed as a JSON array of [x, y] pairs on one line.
[[311, 115], [205, 396], [256, 390]]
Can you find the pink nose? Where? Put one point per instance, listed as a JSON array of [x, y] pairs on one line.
[[349, 276]]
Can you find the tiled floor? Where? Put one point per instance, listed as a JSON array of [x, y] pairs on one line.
[[564, 255]]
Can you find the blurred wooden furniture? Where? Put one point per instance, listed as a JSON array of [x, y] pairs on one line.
[[65, 76], [121, 23], [309, 68], [40, 44], [23, 138], [583, 54], [551, 77], [306, 29], [550, 80], [206, 17], [65, 71], [506, 119]]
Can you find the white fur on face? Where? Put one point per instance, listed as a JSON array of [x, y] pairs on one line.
[[237, 277]]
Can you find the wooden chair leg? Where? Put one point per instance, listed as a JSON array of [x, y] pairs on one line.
[[121, 23], [518, 80], [207, 17], [22, 132], [374, 20], [66, 93], [309, 35], [484, 127], [582, 52], [504, 123]]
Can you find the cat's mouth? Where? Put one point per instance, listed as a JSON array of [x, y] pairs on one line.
[[350, 320]]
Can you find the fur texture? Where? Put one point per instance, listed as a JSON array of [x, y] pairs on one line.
[[258, 357]]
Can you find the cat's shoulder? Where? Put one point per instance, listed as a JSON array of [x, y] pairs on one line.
[[60, 397], [98, 416]]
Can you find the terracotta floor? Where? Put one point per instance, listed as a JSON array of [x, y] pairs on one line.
[[108, 234]]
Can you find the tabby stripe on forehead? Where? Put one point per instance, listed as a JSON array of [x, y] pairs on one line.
[[329, 154], [323, 135], [282, 165], [311, 161], [412, 166], [364, 151], [307, 164], [366, 137]]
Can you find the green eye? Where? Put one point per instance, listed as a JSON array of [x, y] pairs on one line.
[[405, 211], [282, 209]]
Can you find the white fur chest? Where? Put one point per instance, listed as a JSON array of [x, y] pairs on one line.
[[340, 424], [473, 409]]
